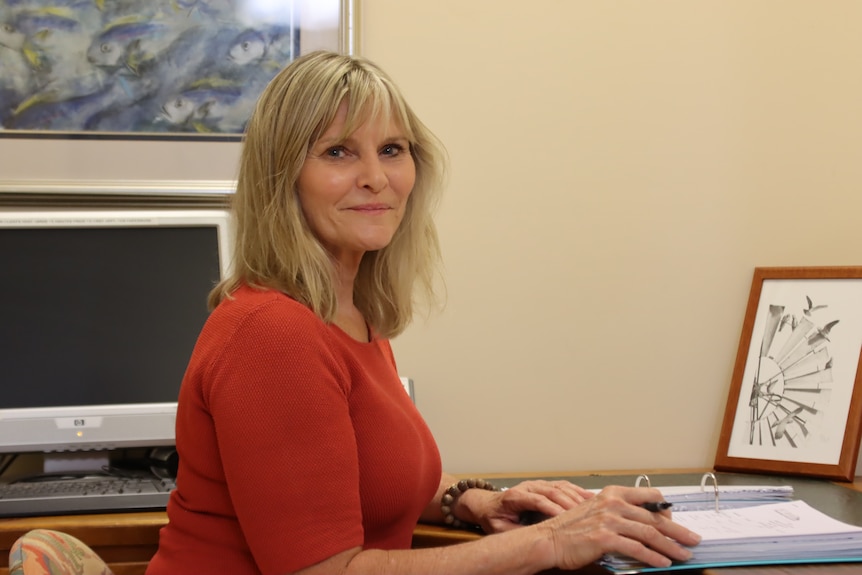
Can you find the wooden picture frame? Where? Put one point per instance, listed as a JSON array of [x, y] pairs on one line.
[[157, 70], [795, 401]]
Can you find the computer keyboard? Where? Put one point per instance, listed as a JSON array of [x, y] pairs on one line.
[[90, 494]]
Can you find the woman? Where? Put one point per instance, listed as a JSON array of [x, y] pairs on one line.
[[299, 450]]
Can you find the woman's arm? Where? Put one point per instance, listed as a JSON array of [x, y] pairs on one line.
[[432, 513], [496, 511], [612, 521]]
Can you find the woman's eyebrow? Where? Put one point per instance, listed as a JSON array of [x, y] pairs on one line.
[[349, 140]]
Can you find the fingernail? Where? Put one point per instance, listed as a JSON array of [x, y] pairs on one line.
[[688, 555], [695, 537]]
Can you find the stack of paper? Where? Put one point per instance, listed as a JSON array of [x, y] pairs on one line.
[[787, 532]]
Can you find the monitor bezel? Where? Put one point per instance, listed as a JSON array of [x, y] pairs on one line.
[[103, 427]]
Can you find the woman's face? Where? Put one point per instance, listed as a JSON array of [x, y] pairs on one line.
[[354, 191]]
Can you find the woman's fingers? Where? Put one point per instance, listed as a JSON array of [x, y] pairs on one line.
[[654, 551], [587, 525], [562, 495], [658, 537], [662, 521], [615, 522]]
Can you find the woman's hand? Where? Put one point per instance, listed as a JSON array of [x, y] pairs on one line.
[[614, 522], [497, 511]]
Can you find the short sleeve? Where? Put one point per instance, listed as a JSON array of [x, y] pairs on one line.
[[278, 396]]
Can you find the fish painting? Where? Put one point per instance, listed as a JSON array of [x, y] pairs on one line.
[[46, 113], [42, 21], [16, 83], [247, 48], [129, 43], [137, 66], [205, 106], [30, 31], [49, 41]]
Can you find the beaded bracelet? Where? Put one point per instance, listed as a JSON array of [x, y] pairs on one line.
[[451, 496]]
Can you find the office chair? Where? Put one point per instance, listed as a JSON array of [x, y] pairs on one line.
[[48, 552], [408, 387]]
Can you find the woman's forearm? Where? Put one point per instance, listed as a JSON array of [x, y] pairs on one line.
[[519, 552], [432, 513], [613, 521]]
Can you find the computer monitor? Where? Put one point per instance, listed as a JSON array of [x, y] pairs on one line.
[[99, 313]]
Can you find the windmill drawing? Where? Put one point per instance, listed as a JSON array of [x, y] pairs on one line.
[[793, 379]]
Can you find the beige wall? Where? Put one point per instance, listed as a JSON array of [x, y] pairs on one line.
[[618, 170]]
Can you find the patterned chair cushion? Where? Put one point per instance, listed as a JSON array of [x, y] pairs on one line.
[[47, 552]]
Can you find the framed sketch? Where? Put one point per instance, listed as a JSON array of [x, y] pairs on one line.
[[152, 69], [795, 399]]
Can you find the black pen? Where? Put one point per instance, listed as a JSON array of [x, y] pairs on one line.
[[656, 506]]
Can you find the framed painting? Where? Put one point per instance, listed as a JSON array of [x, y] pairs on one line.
[[152, 69], [795, 401]]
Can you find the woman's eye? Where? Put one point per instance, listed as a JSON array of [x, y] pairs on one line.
[[335, 152], [392, 149]]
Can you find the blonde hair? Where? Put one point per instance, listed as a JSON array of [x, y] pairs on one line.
[[275, 248]]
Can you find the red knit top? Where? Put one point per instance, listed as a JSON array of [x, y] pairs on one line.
[[295, 442]]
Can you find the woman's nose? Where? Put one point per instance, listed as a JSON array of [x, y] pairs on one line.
[[372, 176]]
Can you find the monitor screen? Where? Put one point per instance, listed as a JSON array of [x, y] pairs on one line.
[[99, 313]]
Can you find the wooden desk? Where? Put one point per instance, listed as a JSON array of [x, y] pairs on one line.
[[127, 541]]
